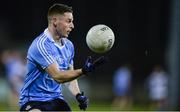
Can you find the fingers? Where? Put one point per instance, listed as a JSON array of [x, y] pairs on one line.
[[100, 61], [83, 101], [82, 93], [84, 105], [91, 66], [89, 59]]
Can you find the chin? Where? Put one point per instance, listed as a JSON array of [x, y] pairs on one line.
[[65, 36]]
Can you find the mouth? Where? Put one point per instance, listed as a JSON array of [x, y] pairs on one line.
[[68, 32]]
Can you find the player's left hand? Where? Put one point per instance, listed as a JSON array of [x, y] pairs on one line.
[[91, 65], [83, 101]]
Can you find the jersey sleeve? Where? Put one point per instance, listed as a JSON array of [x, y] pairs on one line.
[[42, 54]]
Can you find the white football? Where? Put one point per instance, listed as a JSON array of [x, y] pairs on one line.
[[100, 38]]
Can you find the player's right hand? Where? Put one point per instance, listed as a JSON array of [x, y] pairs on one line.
[[91, 65], [83, 101]]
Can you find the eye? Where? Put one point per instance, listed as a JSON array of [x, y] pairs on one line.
[[69, 20]]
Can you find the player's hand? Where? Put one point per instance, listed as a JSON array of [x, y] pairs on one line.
[[91, 65], [83, 101]]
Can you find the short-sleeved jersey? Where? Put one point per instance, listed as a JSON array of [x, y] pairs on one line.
[[38, 84], [122, 81]]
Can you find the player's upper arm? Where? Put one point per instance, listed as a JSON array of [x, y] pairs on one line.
[[41, 52]]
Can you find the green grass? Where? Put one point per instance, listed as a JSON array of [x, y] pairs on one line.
[[93, 106], [106, 106]]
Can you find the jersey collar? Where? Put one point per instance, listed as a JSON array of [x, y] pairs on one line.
[[47, 33]]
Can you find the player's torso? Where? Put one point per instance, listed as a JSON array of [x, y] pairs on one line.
[[42, 86], [62, 55]]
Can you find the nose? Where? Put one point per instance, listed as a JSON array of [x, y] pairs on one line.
[[72, 26]]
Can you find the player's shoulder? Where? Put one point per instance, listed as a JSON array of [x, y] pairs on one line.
[[39, 42], [68, 42]]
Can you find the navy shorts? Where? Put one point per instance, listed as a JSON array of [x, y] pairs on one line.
[[53, 105]]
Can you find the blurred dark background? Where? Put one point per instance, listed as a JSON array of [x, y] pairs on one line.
[[141, 27]]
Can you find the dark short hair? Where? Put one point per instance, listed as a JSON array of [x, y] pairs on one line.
[[58, 9]]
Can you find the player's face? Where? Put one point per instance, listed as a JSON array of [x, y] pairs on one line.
[[65, 24]]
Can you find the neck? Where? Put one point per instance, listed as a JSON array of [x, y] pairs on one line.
[[60, 42], [54, 34]]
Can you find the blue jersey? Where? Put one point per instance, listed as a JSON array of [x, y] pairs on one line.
[[39, 85]]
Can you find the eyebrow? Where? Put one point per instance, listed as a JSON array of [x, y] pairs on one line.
[[70, 19]]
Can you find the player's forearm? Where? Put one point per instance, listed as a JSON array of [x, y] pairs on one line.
[[66, 76], [62, 76], [74, 87]]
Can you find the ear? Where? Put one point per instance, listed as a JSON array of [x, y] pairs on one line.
[[54, 19]]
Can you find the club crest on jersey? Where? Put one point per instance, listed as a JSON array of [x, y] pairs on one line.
[[60, 60]]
